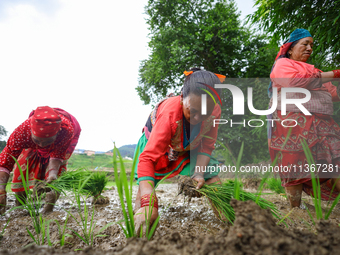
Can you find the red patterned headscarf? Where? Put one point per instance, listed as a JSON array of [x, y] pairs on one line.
[[45, 122]]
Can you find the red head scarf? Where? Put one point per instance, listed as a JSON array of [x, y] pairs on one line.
[[45, 122]]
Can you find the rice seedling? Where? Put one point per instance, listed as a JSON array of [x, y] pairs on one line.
[[317, 187], [221, 194], [62, 234], [70, 180], [86, 223], [32, 205], [274, 184], [266, 176], [150, 231], [125, 190], [4, 229]]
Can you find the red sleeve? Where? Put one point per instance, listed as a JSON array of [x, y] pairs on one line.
[[293, 74], [20, 139], [208, 144], [155, 148], [64, 139]]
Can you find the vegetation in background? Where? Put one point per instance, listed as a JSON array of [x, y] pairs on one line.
[[97, 161], [127, 150], [320, 17], [199, 33], [3, 132]]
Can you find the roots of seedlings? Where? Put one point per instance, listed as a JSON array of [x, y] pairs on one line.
[[187, 186], [100, 200]]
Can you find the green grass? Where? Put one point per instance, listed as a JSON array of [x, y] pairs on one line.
[[98, 161]]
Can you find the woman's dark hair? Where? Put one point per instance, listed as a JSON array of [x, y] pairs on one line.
[[291, 46], [193, 82]]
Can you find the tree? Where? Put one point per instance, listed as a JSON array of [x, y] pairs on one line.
[[208, 34], [184, 34], [3, 132], [320, 17]]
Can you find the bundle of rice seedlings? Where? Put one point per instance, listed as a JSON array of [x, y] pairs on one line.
[[81, 181], [274, 184], [220, 196]]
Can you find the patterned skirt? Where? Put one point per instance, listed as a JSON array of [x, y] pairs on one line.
[[322, 135]]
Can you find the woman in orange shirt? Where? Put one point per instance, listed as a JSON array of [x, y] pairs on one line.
[[178, 139]]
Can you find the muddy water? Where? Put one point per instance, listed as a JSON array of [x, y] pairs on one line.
[[185, 228]]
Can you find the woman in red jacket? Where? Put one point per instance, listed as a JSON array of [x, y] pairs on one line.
[[178, 139], [42, 145]]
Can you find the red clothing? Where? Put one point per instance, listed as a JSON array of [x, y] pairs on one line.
[[21, 139], [319, 130], [167, 132], [293, 71]]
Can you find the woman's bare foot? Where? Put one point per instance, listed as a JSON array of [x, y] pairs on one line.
[[294, 194]]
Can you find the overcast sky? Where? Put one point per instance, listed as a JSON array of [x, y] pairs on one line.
[[81, 56]]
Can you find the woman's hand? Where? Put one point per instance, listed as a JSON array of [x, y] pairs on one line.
[[200, 180], [140, 221]]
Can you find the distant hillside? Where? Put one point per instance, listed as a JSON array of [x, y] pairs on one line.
[[127, 150]]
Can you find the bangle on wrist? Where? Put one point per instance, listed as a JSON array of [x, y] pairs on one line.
[[149, 200], [336, 73]]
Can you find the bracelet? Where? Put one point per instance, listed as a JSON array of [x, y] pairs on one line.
[[147, 200], [336, 73]]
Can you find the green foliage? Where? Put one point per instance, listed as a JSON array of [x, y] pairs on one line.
[[255, 138], [3, 132], [208, 34], [90, 162], [320, 17], [127, 150], [200, 33]]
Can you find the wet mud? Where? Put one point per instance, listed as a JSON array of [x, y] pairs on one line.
[[185, 228]]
